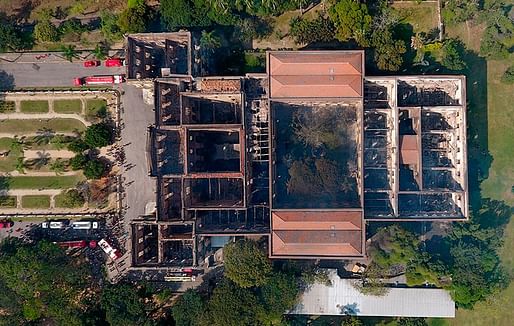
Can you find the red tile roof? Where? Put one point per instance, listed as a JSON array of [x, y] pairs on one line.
[[335, 233], [315, 74]]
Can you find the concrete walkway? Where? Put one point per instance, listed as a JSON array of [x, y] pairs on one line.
[[29, 154]]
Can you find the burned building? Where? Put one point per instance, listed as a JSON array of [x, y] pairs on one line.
[[305, 155]]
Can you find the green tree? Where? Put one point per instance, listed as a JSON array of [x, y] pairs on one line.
[[231, 305], [453, 52], [69, 52], [210, 41], [72, 198], [20, 165], [9, 37], [59, 141], [98, 135], [122, 305], [388, 52], [351, 321], [100, 52], [455, 11], [351, 20], [188, 309], [133, 19], [508, 75], [246, 264], [77, 145], [306, 31], [109, 26], [58, 166], [492, 46], [94, 169], [277, 296], [18, 144], [44, 281], [45, 31], [177, 13], [78, 162]]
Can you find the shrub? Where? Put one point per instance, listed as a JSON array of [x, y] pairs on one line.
[[320, 29], [508, 76]]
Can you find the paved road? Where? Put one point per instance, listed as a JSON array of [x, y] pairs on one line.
[[136, 117], [49, 74]]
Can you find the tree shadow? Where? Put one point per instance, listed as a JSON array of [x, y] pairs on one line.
[[6, 81]]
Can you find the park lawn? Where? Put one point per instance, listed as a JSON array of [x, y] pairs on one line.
[[8, 163], [34, 106], [8, 201], [93, 106], [68, 106], [42, 182], [422, 16], [7, 106], [26, 126], [59, 202], [35, 201], [5, 143]]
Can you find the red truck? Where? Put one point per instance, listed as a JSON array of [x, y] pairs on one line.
[[76, 244], [98, 80], [114, 62]]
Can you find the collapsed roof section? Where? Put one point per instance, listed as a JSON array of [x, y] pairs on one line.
[[153, 55], [415, 165]]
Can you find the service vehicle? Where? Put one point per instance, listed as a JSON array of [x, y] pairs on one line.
[[91, 63], [113, 253], [98, 80], [114, 62], [76, 244]]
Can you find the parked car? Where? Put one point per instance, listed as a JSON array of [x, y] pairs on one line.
[[6, 224], [91, 63], [114, 62]]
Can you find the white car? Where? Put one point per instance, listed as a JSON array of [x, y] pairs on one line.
[[44, 225]]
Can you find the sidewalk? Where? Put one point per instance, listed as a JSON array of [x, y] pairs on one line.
[[53, 57]]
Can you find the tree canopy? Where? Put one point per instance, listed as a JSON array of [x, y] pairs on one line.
[[246, 264], [122, 305], [94, 169], [388, 52], [42, 282], [98, 135], [45, 31], [188, 309], [352, 21]]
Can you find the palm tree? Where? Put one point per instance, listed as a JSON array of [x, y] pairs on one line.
[[100, 51], [210, 41], [41, 160], [20, 165], [69, 52], [58, 166], [18, 144], [59, 141], [44, 136]]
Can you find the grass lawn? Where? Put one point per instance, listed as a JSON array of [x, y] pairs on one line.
[[46, 182], [34, 106], [8, 201], [8, 163], [59, 202], [25, 126], [7, 106], [35, 201], [422, 16], [5, 143], [93, 106], [68, 106]]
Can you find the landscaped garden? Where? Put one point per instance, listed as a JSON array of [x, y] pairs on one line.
[[57, 160]]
